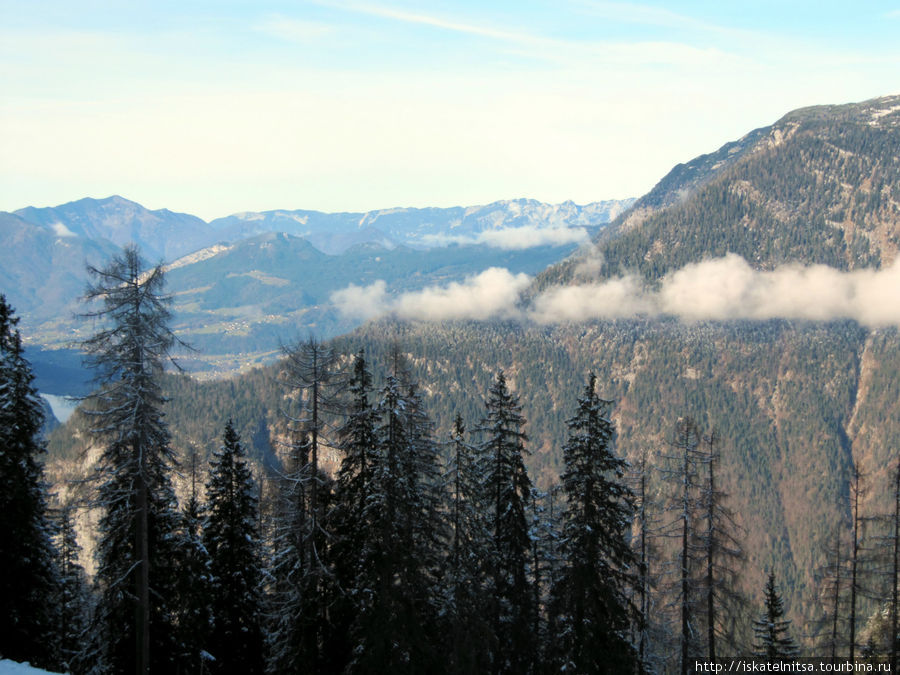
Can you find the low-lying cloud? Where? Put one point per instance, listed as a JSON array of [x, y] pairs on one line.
[[362, 302], [490, 294], [720, 289], [514, 238], [729, 288]]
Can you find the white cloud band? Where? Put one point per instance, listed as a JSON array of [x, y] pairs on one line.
[[720, 289]]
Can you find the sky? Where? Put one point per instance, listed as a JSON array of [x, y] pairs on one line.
[[213, 108]]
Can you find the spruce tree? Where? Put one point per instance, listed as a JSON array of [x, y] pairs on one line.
[[136, 557], [28, 577], [193, 612], [231, 537], [468, 637], [74, 601], [644, 531], [722, 557], [832, 577], [592, 589], [349, 519], [299, 603], [773, 641], [295, 604], [686, 509], [394, 629], [507, 490], [894, 578]]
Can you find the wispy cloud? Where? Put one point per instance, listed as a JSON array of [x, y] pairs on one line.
[[293, 30], [560, 50], [445, 23], [646, 15]]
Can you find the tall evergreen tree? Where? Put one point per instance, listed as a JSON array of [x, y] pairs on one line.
[[28, 581], [231, 537], [773, 640], [135, 554], [592, 591], [722, 558], [74, 601], [833, 577], [644, 531], [468, 638], [855, 559], [349, 520], [894, 567], [193, 612], [394, 629], [507, 489], [297, 601], [685, 508], [301, 598]]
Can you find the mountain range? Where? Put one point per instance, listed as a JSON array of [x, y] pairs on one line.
[[243, 284]]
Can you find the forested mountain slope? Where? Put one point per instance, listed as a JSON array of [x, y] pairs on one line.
[[821, 185]]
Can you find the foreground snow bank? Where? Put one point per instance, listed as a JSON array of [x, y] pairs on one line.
[[13, 668]]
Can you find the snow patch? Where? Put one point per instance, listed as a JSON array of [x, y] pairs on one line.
[[198, 256], [878, 114]]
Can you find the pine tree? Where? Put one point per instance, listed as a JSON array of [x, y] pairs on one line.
[[74, 601], [290, 620], [686, 508], [507, 489], [773, 641], [722, 557], [895, 574], [592, 590], [643, 533], [138, 529], [394, 629], [856, 560], [348, 519], [833, 577], [28, 577], [231, 537], [193, 611], [468, 637], [299, 566]]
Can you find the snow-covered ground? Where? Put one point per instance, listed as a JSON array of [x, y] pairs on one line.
[[13, 668]]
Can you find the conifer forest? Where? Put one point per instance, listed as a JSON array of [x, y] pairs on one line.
[[370, 543]]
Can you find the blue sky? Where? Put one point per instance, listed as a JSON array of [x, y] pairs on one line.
[[213, 108]]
